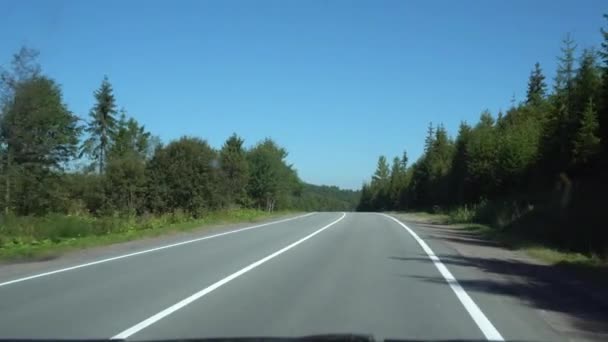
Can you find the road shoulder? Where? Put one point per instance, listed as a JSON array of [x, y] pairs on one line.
[[568, 305]]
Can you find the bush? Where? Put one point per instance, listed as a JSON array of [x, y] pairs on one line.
[[462, 214]]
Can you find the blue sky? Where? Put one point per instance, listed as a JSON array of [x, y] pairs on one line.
[[337, 83]]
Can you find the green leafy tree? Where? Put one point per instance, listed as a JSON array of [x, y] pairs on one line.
[[24, 67], [39, 135], [183, 176], [102, 125], [272, 180]]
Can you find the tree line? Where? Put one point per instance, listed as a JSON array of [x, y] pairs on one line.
[[540, 167], [53, 161]]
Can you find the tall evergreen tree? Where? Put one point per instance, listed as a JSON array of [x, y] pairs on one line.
[[586, 83], [536, 86], [459, 176], [565, 68], [101, 126], [587, 141]]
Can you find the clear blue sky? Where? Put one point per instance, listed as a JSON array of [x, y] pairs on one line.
[[336, 82]]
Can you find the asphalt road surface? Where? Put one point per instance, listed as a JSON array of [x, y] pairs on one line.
[[360, 273]]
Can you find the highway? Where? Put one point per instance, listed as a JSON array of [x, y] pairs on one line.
[[320, 273]]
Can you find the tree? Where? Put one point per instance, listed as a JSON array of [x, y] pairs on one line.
[[129, 139], [565, 68], [586, 84], [396, 183], [183, 176], [272, 180], [102, 125], [482, 149], [430, 136], [125, 179], [536, 86], [39, 135], [382, 171], [235, 170], [24, 67], [460, 181], [587, 142]]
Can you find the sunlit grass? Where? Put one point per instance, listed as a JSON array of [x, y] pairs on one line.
[[48, 236]]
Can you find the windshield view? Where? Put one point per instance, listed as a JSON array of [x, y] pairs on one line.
[[310, 170]]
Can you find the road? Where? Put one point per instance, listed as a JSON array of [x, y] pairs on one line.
[[320, 273]]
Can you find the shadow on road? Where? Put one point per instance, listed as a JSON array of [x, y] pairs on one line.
[[541, 286]]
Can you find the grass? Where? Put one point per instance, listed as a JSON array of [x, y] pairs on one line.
[[39, 238], [462, 219]]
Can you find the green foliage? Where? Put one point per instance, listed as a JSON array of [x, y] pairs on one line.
[[39, 135], [540, 169], [39, 236], [130, 139], [102, 125], [325, 198], [272, 180], [587, 142], [536, 86], [183, 175], [234, 168]]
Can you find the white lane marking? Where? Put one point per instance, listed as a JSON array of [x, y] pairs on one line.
[[166, 312], [149, 250], [484, 324]]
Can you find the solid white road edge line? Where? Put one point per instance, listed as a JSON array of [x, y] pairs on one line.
[[484, 324], [166, 312], [149, 250]]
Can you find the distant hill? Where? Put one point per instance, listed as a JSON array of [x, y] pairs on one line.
[[326, 198]]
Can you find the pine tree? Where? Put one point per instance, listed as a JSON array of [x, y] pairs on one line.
[[380, 184], [587, 142], [382, 170], [102, 125], [565, 68], [459, 176], [586, 83], [430, 137], [536, 86]]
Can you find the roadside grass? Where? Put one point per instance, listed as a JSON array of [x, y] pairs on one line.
[[540, 251], [42, 238]]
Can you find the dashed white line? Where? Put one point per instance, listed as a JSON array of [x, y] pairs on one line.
[[148, 251], [484, 324], [173, 308]]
